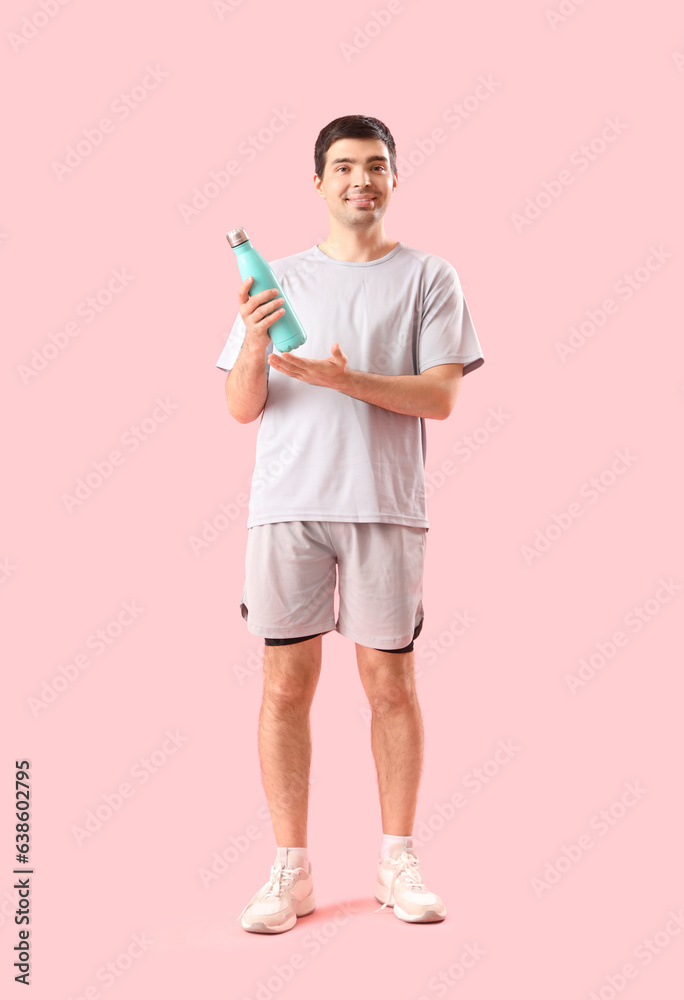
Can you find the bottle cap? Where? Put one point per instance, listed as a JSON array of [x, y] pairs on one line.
[[237, 236]]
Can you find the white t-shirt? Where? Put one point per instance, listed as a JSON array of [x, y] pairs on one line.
[[322, 455]]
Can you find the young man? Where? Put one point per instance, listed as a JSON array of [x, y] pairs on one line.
[[339, 482]]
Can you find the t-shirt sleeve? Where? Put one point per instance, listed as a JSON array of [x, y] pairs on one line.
[[236, 339], [447, 335]]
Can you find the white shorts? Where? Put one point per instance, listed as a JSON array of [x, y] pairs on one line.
[[290, 576]]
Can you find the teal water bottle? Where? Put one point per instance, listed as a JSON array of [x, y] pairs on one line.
[[287, 332]]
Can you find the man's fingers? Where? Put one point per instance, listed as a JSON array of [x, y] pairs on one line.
[[285, 362], [293, 366], [243, 294]]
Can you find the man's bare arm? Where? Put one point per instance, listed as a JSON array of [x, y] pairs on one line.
[[431, 394], [246, 385]]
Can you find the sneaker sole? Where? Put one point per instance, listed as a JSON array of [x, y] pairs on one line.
[[430, 916], [303, 909]]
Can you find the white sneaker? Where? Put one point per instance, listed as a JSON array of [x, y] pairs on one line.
[[400, 885], [288, 894]]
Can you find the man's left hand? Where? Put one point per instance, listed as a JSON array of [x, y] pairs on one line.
[[332, 373]]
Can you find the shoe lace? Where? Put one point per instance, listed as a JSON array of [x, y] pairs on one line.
[[405, 865], [280, 878]]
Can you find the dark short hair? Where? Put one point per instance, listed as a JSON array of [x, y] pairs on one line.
[[352, 127]]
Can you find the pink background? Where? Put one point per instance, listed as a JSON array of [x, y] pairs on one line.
[[186, 663]]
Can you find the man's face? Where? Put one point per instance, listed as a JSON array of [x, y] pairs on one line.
[[357, 181]]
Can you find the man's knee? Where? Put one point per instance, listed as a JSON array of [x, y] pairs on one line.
[[393, 699], [291, 673], [391, 686]]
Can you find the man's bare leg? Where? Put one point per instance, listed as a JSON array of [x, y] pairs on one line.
[[290, 679], [397, 737]]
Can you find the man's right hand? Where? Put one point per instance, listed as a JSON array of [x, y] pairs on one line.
[[258, 313]]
